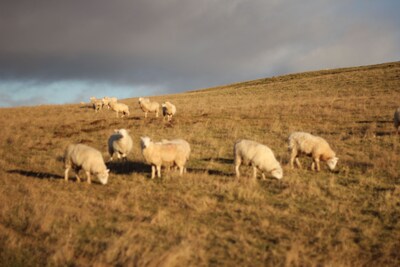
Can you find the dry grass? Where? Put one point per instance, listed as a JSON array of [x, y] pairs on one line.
[[206, 218]]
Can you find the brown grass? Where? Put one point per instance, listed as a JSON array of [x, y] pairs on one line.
[[206, 218]]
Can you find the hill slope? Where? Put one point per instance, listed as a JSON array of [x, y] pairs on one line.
[[206, 218]]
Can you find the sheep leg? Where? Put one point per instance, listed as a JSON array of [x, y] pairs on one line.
[[159, 171], [153, 171], [263, 176], [66, 174], [293, 155], [298, 163], [117, 113], [254, 172], [77, 174], [89, 180], [181, 170], [237, 165], [145, 114], [316, 160], [157, 114]]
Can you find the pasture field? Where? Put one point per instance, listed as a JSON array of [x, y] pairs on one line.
[[350, 217]]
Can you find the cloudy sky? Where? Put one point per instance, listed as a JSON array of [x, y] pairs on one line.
[[54, 51]]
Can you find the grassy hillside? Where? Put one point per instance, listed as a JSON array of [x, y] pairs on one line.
[[207, 218]]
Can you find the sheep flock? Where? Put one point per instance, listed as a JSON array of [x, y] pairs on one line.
[[175, 153]]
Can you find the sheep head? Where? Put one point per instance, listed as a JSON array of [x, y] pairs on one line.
[[103, 176], [332, 163], [277, 173], [145, 141]]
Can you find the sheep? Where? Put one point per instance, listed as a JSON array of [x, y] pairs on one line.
[[313, 146], [107, 100], [92, 99], [97, 105], [396, 120], [257, 155], [120, 143], [166, 154], [168, 110], [79, 156], [185, 146], [147, 106], [119, 107]]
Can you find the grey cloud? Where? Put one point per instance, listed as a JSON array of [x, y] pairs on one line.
[[177, 45]]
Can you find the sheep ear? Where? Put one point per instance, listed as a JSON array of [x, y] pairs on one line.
[[108, 170]]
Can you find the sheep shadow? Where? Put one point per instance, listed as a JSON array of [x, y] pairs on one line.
[[382, 133], [209, 172], [128, 167], [371, 121], [219, 160], [37, 175], [135, 118], [86, 106]]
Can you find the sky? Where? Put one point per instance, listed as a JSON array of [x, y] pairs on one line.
[[56, 52]]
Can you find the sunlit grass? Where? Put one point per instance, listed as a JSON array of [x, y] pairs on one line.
[[207, 218]]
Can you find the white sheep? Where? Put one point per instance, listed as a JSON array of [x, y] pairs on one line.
[[120, 143], [107, 100], [79, 156], [147, 106], [97, 105], [396, 120], [313, 146], [185, 146], [119, 107], [92, 99], [257, 155], [168, 110], [163, 154]]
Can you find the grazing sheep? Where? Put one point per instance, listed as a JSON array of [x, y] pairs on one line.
[[107, 100], [185, 146], [164, 154], [92, 99], [313, 146], [396, 120], [79, 156], [120, 143], [257, 155], [147, 106], [97, 105], [168, 110], [119, 107]]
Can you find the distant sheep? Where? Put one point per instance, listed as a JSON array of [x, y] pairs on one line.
[[120, 143], [168, 110], [92, 99], [313, 146], [147, 106], [107, 100], [159, 154], [396, 120], [119, 107], [79, 156], [97, 105], [257, 155]]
